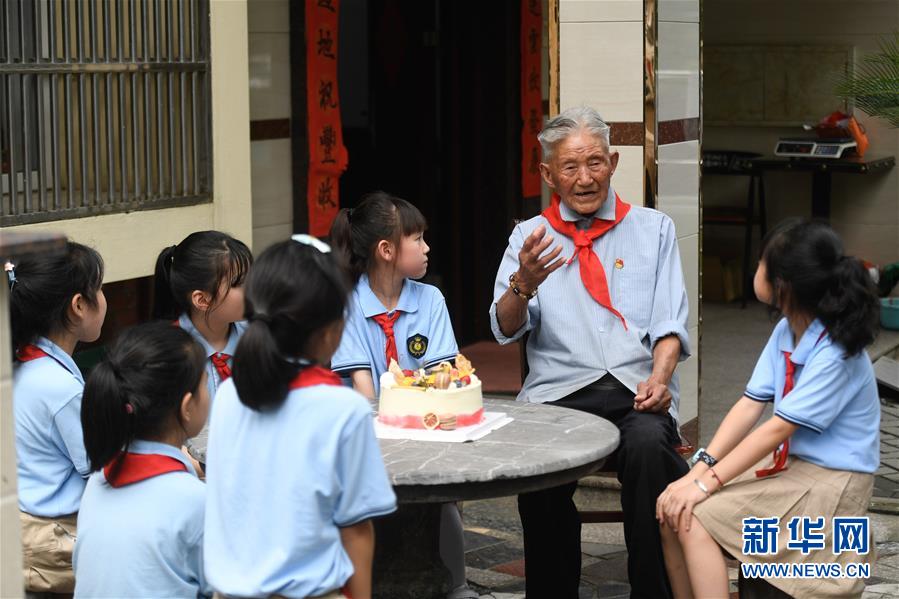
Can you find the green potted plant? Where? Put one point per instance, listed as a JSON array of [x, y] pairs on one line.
[[874, 89], [874, 86]]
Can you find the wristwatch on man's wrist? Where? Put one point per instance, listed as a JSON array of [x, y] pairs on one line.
[[701, 455]]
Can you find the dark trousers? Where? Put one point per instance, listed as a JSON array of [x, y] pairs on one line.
[[646, 461]]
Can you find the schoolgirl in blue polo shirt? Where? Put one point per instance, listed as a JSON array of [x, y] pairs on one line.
[[392, 316], [294, 471], [381, 243], [824, 434], [199, 282], [56, 301], [140, 528]]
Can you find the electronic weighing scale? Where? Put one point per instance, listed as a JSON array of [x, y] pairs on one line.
[[813, 147]]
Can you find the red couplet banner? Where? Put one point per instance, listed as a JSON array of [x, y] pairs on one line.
[[327, 154], [531, 95]]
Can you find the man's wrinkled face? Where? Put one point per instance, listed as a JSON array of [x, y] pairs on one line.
[[580, 170]]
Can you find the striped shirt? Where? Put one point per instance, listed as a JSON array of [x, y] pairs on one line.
[[573, 340]]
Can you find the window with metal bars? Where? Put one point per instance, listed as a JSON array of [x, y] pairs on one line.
[[104, 107]]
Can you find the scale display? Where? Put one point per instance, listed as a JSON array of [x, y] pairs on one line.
[[814, 148]]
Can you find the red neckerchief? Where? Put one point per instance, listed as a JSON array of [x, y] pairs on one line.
[[29, 353], [219, 360], [315, 375], [134, 467], [592, 273], [386, 323], [781, 453]]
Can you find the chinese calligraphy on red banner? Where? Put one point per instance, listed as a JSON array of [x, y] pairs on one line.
[[327, 154], [531, 95]]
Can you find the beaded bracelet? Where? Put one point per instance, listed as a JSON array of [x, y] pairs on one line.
[[514, 285]]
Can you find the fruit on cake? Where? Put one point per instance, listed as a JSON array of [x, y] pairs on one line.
[[444, 397]]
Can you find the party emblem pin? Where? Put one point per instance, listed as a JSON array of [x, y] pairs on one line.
[[417, 345], [619, 263]]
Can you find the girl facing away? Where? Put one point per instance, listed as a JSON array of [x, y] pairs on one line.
[[140, 528], [294, 471], [824, 433], [55, 303], [199, 282], [392, 316]]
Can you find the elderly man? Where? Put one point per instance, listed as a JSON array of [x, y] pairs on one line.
[[606, 332]]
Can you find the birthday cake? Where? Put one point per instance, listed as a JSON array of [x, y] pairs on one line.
[[445, 397]]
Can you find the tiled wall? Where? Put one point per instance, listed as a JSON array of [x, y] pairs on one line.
[[865, 209], [10, 545], [269, 61], [601, 64], [677, 108]]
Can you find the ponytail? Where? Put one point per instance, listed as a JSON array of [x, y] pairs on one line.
[[292, 293], [134, 392], [107, 425], [341, 238], [849, 308], [806, 267], [164, 303], [264, 373]]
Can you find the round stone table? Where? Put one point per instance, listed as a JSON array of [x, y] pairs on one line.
[[543, 446]]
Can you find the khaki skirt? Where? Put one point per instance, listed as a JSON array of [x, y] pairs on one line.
[[47, 545], [803, 489]]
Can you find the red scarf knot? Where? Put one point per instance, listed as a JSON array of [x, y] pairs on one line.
[[593, 275], [386, 323], [220, 361]]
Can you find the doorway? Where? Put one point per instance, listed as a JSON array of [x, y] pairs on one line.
[[430, 107]]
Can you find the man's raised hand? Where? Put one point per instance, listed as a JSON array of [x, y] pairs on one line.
[[532, 267]]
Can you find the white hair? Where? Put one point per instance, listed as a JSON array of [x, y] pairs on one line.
[[569, 121]]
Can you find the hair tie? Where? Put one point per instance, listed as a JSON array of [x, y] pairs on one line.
[[10, 269], [261, 317], [129, 409], [309, 240], [349, 214]]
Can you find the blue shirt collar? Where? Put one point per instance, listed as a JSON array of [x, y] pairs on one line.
[[810, 338], [605, 212], [372, 306], [58, 354], [187, 324], [148, 447]]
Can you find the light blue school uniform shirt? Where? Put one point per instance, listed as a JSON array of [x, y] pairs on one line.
[[213, 380], [50, 457], [144, 539], [573, 340], [423, 319], [834, 399], [281, 483]]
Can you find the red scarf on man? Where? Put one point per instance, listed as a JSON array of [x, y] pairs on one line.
[[592, 273]]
